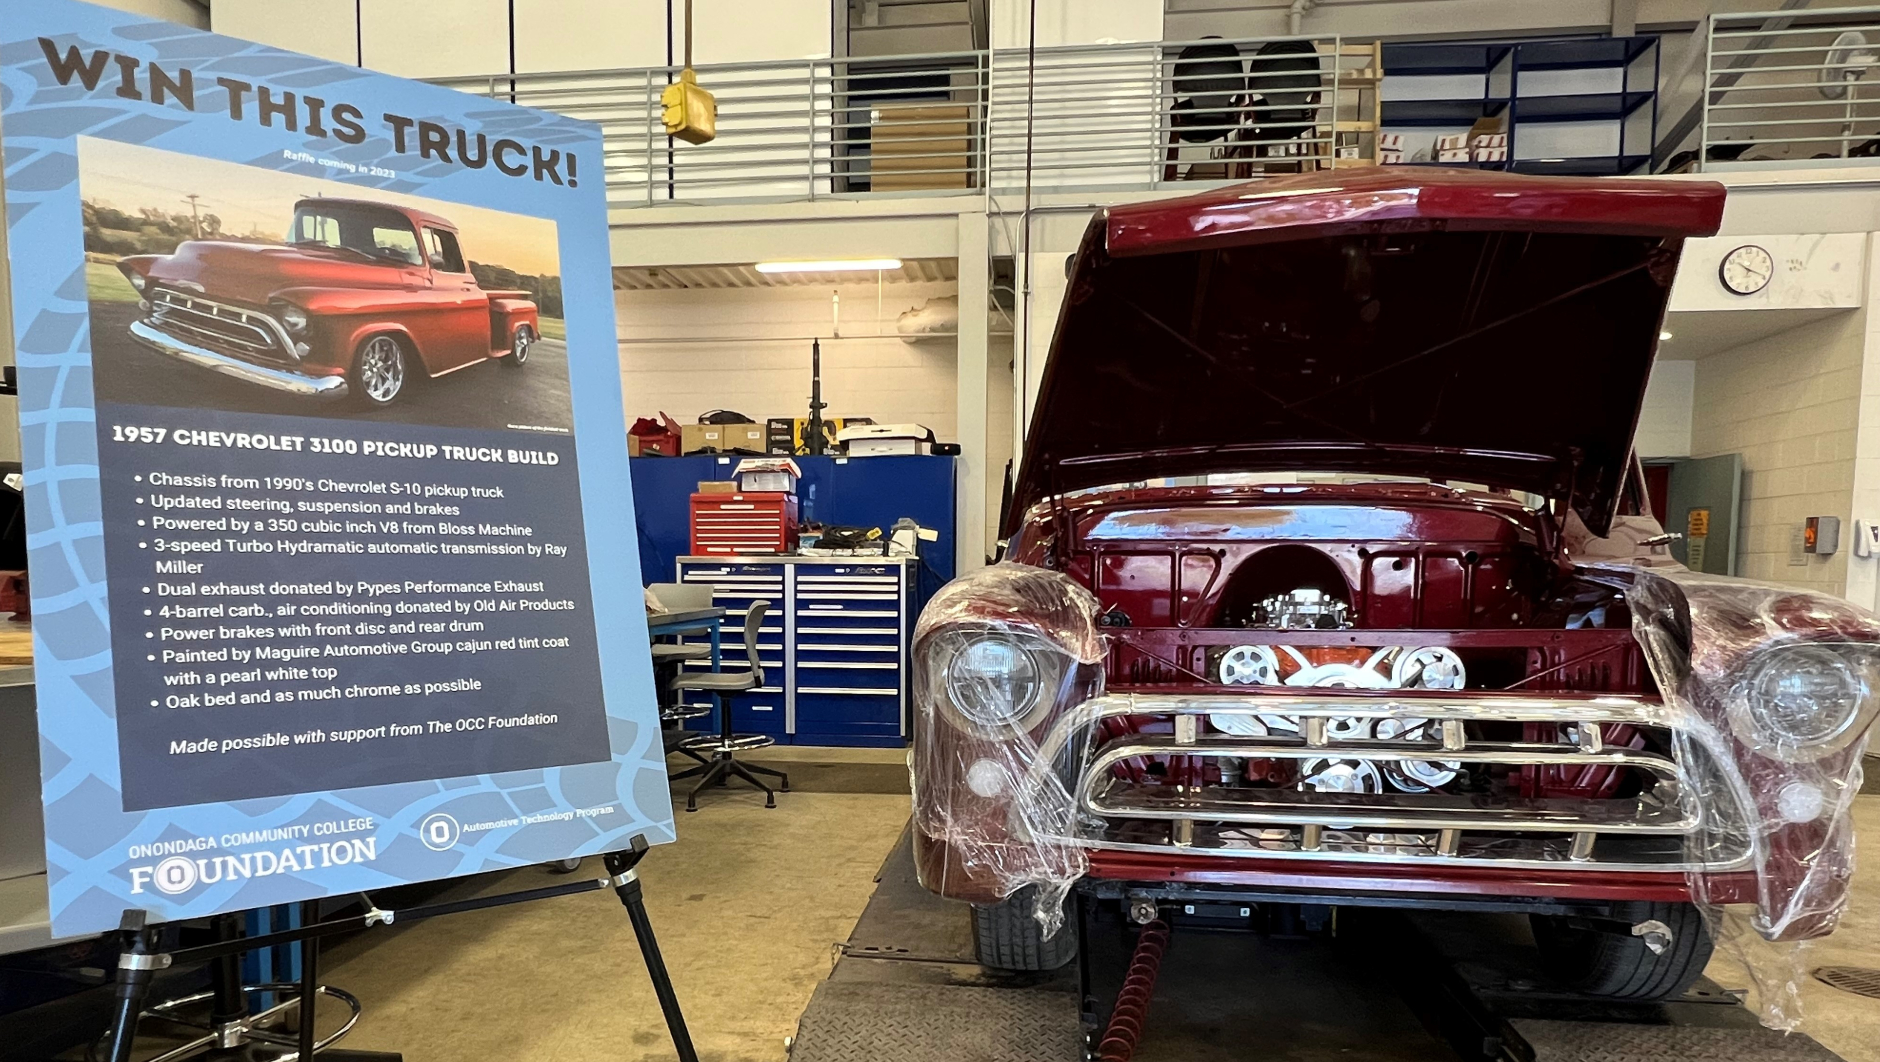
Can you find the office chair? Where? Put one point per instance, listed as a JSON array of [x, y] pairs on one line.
[[723, 746]]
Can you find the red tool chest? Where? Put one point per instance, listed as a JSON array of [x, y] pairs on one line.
[[751, 522]]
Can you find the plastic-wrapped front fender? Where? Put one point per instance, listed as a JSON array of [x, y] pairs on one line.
[[1778, 689], [998, 655]]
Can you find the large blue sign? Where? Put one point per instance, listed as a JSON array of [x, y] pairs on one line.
[[330, 543]]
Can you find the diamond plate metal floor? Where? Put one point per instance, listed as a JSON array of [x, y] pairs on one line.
[[905, 987], [850, 1021], [1580, 1041]]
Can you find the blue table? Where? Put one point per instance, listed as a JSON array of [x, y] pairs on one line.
[[712, 620]]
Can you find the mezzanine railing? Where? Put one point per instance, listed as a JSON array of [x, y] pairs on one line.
[[1123, 116], [1782, 87]]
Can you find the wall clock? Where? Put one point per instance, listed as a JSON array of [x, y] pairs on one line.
[[1746, 270]]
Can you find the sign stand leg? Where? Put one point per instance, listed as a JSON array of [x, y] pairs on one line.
[[137, 964], [626, 880]]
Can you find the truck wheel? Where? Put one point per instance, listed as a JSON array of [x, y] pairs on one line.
[[519, 349], [1606, 958], [378, 371], [1007, 937]]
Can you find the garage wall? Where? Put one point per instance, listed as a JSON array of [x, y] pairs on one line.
[[759, 360], [195, 15], [1790, 404], [1664, 421], [402, 36]]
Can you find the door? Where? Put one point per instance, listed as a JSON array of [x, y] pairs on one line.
[[1703, 499], [462, 328]]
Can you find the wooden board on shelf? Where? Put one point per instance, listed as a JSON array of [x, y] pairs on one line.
[[908, 142]]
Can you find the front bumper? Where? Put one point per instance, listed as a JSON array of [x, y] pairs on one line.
[[325, 387], [1114, 811]]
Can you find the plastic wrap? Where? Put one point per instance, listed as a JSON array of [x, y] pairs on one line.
[[996, 653], [1776, 689]]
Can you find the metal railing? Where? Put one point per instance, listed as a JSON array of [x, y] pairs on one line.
[[1787, 86], [1101, 116]]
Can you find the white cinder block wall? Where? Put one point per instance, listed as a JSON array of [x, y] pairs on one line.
[[1790, 404], [761, 364], [1664, 419]]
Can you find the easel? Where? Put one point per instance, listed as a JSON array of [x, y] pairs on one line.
[[141, 959]]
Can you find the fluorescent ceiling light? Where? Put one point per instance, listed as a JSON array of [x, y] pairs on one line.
[[1662, 336], [840, 265]]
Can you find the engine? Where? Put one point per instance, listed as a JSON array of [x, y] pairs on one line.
[[1388, 668]]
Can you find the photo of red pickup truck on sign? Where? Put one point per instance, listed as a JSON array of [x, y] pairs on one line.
[[272, 293]]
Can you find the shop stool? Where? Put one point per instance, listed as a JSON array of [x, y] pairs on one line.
[[718, 752]]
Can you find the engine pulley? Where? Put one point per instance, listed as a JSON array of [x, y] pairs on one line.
[[1415, 776], [1340, 776]]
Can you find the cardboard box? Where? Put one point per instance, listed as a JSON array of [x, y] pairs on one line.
[[1390, 158], [696, 438], [1389, 142], [1485, 127], [750, 437], [884, 440], [786, 435], [1453, 155], [1458, 142], [780, 435], [1491, 154], [717, 486], [767, 474], [1489, 140]]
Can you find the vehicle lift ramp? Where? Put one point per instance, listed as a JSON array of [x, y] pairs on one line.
[[1316, 983]]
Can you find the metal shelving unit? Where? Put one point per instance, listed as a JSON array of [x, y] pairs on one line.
[[1581, 106]]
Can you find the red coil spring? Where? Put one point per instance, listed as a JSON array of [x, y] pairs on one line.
[[1132, 1002]]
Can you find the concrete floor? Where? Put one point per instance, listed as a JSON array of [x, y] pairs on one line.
[[1845, 1023], [749, 906]]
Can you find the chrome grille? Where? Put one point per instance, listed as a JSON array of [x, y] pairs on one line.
[[1133, 811], [220, 326]]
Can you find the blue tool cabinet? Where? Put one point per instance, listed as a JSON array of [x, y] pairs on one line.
[[834, 644]]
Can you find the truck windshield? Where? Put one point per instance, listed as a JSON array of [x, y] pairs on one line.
[[372, 231]]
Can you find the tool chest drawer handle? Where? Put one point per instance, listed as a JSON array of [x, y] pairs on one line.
[[849, 630]]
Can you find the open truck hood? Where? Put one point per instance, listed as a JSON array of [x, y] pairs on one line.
[[1459, 325]]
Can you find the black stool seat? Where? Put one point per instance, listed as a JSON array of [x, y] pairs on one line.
[[679, 713], [723, 746]]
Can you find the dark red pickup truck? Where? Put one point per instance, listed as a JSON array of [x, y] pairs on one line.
[[1332, 580], [362, 297]]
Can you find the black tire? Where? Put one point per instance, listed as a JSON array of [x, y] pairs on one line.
[[1604, 958], [1006, 936], [380, 373], [518, 355]]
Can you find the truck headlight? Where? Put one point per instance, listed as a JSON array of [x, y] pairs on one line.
[[996, 680], [1809, 700], [293, 317], [139, 281]]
